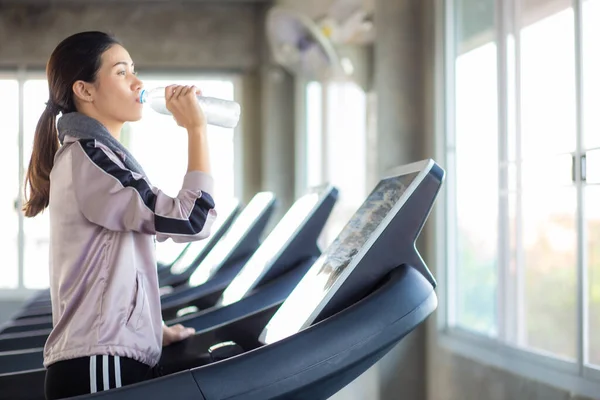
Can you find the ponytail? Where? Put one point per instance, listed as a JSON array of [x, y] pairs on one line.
[[76, 58], [45, 146]]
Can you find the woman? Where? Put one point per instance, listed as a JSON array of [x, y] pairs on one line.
[[104, 216]]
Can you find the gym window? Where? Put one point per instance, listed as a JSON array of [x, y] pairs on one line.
[[521, 208], [334, 131], [25, 241]]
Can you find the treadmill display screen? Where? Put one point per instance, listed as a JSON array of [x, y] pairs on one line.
[[263, 258], [195, 248], [242, 224], [330, 270]]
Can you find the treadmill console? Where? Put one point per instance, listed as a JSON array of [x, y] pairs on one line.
[[336, 263]]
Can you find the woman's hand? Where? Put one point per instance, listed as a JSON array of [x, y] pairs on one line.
[[181, 101], [176, 333]]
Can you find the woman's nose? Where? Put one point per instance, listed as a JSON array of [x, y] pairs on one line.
[[137, 84]]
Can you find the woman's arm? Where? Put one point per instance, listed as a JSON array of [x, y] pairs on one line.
[[110, 195], [181, 101]]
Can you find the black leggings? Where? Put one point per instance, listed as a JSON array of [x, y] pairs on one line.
[[94, 374]]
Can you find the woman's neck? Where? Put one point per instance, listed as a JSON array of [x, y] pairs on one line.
[[113, 127]]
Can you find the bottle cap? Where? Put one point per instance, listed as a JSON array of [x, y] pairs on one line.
[[143, 96]]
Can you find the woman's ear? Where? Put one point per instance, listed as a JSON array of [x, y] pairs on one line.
[[83, 91]]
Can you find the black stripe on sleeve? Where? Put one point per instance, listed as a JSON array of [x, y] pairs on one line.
[[125, 177], [191, 226], [194, 224]]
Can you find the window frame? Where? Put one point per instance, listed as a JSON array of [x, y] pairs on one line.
[[301, 133], [22, 74], [576, 376]]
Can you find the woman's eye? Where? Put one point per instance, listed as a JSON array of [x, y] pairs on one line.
[[121, 73]]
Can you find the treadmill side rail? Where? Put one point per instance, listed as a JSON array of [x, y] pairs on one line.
[[329, 354]]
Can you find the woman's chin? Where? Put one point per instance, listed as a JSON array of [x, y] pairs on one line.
[[135, 116]]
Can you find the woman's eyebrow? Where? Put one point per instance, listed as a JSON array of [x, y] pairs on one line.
[[123, 63]]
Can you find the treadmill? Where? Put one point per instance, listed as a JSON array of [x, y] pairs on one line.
[[210, 277], [366, 292], [276, 268]]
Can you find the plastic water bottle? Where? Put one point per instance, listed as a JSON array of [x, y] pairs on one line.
[[219, 112]]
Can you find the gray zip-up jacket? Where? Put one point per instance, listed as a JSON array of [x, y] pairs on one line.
[[104, 219]]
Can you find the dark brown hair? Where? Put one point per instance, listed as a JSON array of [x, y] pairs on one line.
[[78, 57]]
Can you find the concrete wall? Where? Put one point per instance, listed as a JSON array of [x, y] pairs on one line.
[[159, 35], [400, 83], [453, 377]]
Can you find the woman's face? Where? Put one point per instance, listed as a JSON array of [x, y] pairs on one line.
[[117, 88]]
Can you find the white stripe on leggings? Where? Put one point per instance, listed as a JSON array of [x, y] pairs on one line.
[[105, 376], [93, 388], [118, 371]]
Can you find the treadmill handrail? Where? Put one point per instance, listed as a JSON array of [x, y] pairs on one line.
[[374, 320]]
